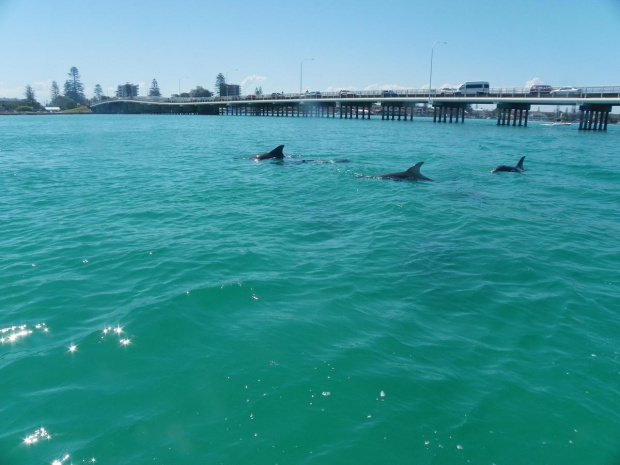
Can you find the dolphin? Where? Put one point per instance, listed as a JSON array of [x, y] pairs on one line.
[[412, 174], [275, 154], [514, 169]]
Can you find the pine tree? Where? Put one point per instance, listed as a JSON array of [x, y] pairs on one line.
[[55, 92], [154, 90], [74, 89], [29, 94], [98, 92], [31, 100]]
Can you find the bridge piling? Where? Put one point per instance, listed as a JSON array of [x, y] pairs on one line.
[[594, 117], [447, 112], [507, 113]]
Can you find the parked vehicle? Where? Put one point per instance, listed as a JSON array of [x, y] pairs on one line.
[[389, 93], [540, 89], [474, 88], [566, 92]]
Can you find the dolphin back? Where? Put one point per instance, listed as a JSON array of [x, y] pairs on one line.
[[414, 172], [277, 152], [514, 169]]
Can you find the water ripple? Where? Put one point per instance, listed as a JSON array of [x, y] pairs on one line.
[[200, 305]]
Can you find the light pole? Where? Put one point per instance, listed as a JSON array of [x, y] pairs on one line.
[[430, 79], [226, 77], [301, 74], [185, 77]]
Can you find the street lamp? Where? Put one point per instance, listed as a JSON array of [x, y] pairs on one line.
[[430, 79], [301, 74], [185, 77], [226, 77]]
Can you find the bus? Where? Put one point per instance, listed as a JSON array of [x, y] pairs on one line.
[[474, 88]]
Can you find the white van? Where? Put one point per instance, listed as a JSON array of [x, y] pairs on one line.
[[474, 88]]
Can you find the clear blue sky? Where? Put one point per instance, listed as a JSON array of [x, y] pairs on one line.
[[355, 44]]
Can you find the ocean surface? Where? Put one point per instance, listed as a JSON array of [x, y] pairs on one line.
[[166, 300]]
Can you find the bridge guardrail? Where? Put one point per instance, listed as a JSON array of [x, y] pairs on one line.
[[517, 92]]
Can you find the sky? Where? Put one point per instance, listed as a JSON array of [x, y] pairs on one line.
[[340, 44]]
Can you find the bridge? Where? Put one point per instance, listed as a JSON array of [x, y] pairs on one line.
[[513, 104]]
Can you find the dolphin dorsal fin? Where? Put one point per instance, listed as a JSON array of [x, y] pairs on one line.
[[277, 152], [414, 171], [520, 164]]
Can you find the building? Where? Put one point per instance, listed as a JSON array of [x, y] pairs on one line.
[[127, 90], [230, 90]]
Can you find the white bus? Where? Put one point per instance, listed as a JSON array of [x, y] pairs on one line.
[[474, 88]]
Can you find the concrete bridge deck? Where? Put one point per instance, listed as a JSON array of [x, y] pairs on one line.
[[595, 104], [607, 95]]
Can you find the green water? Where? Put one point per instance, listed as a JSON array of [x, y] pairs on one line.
[[221, 310]]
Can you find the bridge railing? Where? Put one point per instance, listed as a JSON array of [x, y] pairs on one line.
[[559, 92], [506, 92]]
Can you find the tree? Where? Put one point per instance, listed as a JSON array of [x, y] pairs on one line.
[[64, 103], [31, 100], [220, 82], [98, 92], [55, 92], [258, 91], [74, 89], [154, 89], [200, 91], [60, 101], [29, 94]]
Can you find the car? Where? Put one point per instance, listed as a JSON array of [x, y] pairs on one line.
[[540, 89], [474, 88], [311, 95], [276, 95], [389, 93], [446, 90], [347, 94], [251, 97], [566, 92]]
